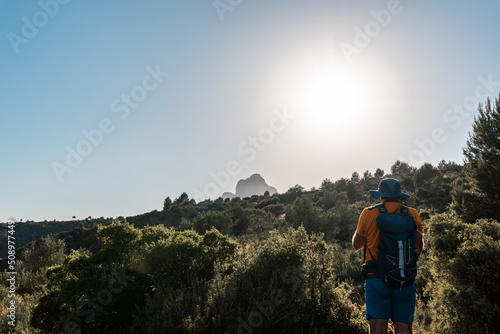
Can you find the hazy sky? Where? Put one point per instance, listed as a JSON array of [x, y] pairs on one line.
[[108, 107]]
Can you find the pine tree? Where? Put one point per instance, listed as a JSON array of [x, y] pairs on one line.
[[167, 204], [379, 173], [182, 199], [479, 197], [403, 172]]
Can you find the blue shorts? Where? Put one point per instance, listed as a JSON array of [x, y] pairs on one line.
[[386, 302]]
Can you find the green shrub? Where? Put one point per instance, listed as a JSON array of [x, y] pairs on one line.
[[287, 285], [275, 209], [212, 219], [241, 218], [464, 266], [100, 292], [31, 282], [304, 212], [36, 258], [25, 303]]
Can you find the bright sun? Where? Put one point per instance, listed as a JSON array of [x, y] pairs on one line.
[[331, 98]]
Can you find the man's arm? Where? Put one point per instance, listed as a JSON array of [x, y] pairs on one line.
[[358, 241], [419, 243]]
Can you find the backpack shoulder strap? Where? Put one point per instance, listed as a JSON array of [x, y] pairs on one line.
[[381, 208], [369, 251]]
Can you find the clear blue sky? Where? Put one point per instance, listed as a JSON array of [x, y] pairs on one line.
[[108, 107]]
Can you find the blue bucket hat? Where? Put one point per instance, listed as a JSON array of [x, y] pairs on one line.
[[388, 188]]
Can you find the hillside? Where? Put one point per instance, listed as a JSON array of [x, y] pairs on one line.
[[296, 242], [429, 186]]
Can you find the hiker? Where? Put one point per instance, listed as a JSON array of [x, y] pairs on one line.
[[391, 235]]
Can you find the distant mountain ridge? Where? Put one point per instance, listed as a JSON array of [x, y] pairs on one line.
[[254, 185]]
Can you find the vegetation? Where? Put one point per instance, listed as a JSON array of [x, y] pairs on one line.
[[479, 196], [268, 264], [463, 283]]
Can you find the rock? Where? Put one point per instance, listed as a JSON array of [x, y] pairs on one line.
[[254, 185], [228, 194]]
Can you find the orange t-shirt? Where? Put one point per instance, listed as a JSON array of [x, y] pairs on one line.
[[367, 225]]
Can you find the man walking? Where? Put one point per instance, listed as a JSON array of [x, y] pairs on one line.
[[392, 232]]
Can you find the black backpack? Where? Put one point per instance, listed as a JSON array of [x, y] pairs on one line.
[[397, 254]]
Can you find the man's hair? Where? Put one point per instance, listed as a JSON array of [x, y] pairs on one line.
[[392, 199]]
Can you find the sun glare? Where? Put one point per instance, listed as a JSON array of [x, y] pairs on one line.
[[332, 98]]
